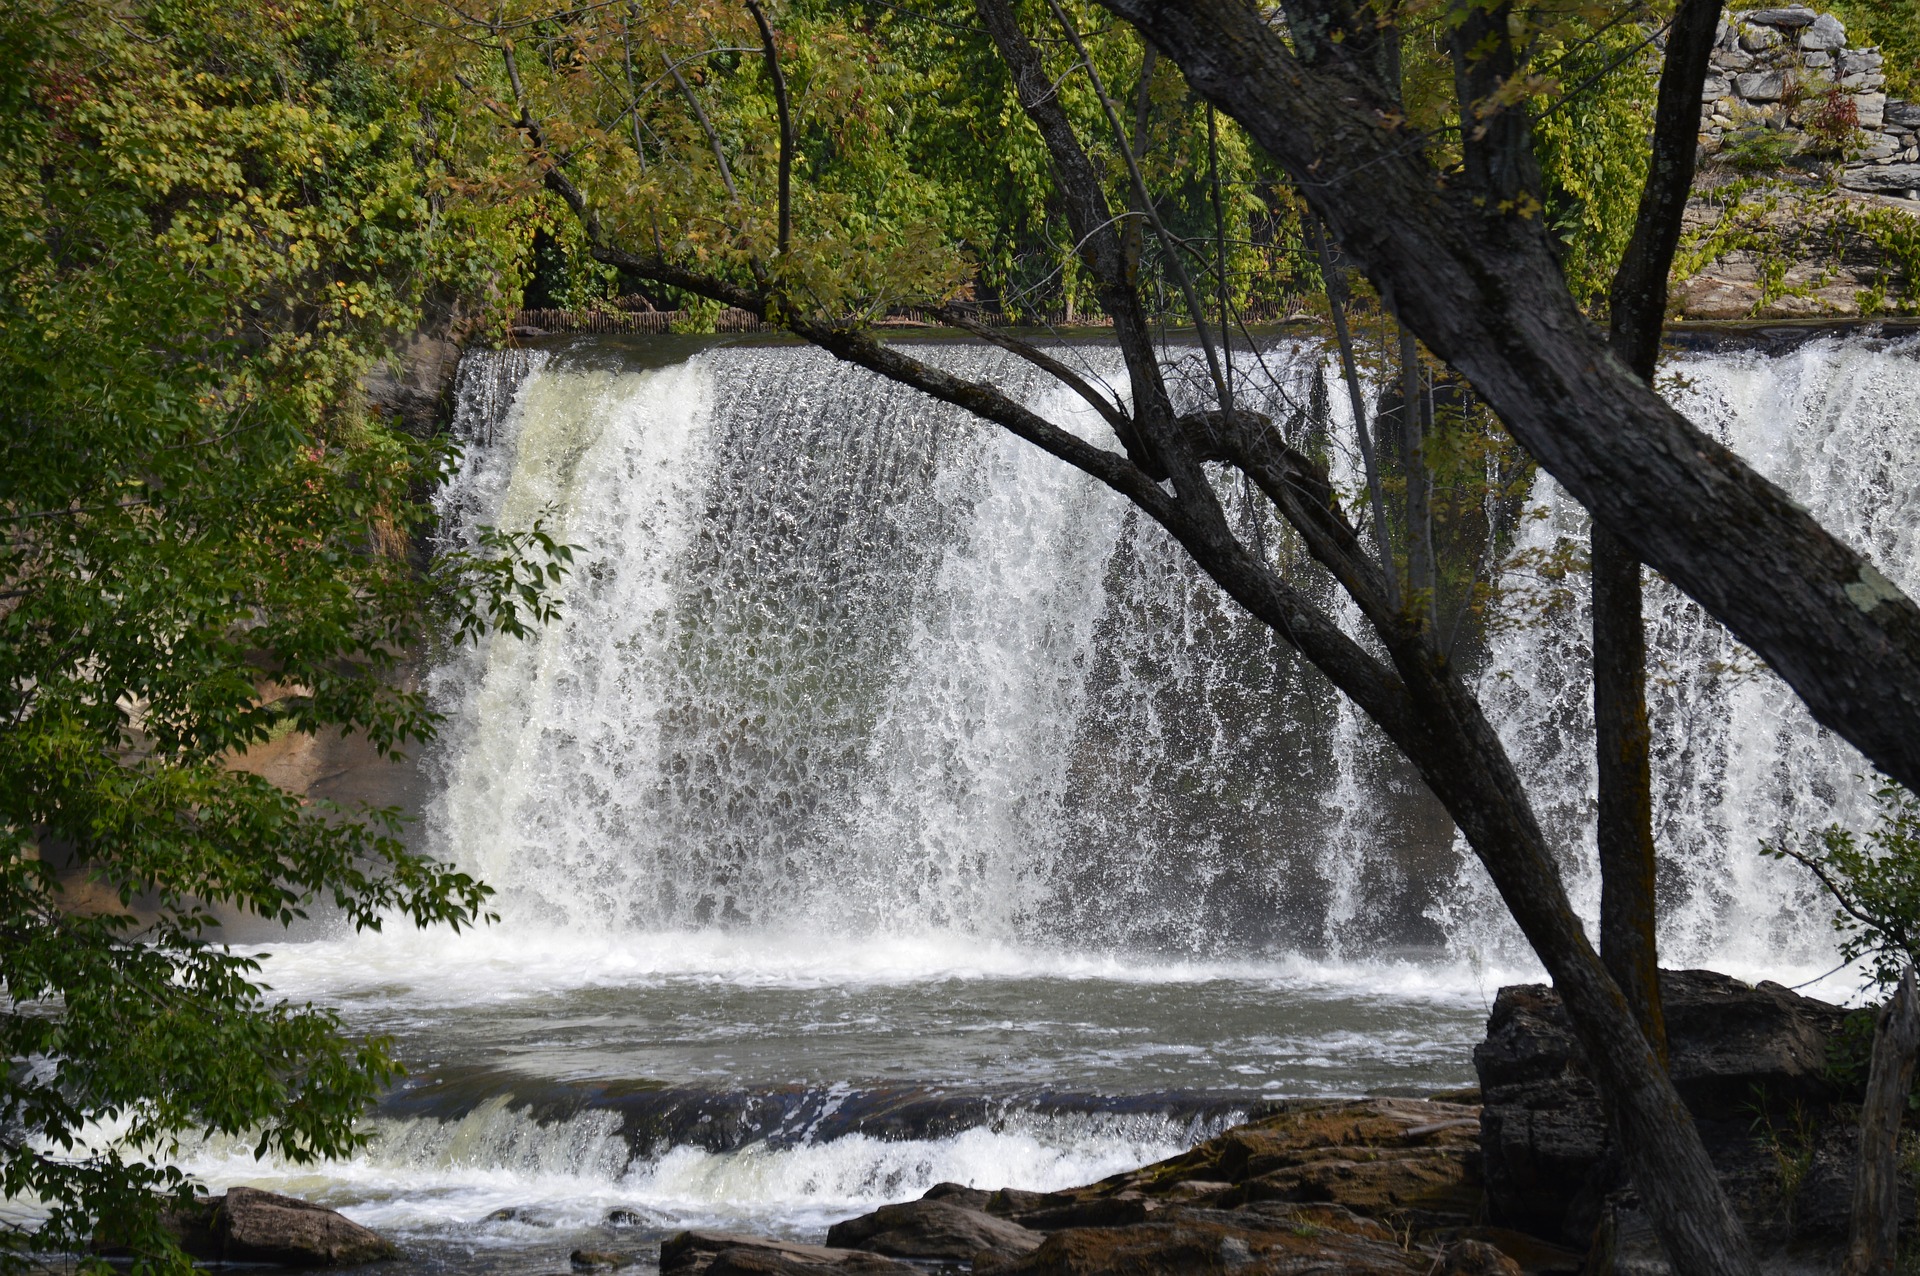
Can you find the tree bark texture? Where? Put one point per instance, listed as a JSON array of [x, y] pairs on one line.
[[1621, 739], [1474, 275], [1622, 733], [1874, 1242]]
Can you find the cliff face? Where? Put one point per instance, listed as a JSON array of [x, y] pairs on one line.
[[1808, 201]]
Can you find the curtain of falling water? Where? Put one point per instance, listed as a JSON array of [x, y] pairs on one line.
[[839, 658]]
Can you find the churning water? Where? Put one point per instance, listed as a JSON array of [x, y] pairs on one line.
[[892, 805]]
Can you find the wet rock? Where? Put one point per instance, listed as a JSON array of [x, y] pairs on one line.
[[599, 1260], [708, 1253], [620, 1216], [926, 1229], [250, 1226], [972, 1198], [761, 1262], [1302, 1238]]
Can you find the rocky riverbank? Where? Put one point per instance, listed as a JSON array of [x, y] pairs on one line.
[[1518, 1177], [1515, 1176]]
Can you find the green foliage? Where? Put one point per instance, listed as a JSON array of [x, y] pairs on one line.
[[1874, 882], [1759, 150], [213, 217], [1591, 138]]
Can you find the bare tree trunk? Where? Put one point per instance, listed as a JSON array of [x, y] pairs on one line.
[[1423, 583], [1625, 819], [1637, 304], [1875, 1239], [785, 231]]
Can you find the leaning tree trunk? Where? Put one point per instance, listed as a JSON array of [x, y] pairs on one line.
[[1471, 269]]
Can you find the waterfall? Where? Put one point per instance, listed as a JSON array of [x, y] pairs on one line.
[[839, 660], [1737, 759]]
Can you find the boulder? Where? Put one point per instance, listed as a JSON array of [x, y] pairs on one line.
[[251, 1226], [1761, 86], [937, 1229], [710, 1253], [1751, 1064], [1903, 114]]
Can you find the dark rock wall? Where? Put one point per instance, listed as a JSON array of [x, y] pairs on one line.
[[1752, 1064]]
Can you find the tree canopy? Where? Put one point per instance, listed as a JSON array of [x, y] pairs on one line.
[[212, 221]]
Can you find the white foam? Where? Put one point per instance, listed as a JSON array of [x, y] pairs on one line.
[[424, 1176], [402, 965]]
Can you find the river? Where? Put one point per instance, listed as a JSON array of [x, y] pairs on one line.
[[892, 806]]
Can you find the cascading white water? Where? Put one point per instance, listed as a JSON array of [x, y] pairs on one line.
[[1737, 759], [841, 659], [888, 777]]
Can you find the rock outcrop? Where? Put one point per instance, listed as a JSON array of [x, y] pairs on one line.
[[1752, 1064], [1376, 1186]]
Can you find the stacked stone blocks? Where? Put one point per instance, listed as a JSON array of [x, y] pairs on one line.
[[1774, 68]]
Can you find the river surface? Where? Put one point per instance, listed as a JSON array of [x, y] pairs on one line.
[[892, 806]]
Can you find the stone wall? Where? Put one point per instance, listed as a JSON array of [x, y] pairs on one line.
[[1792, 69]]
